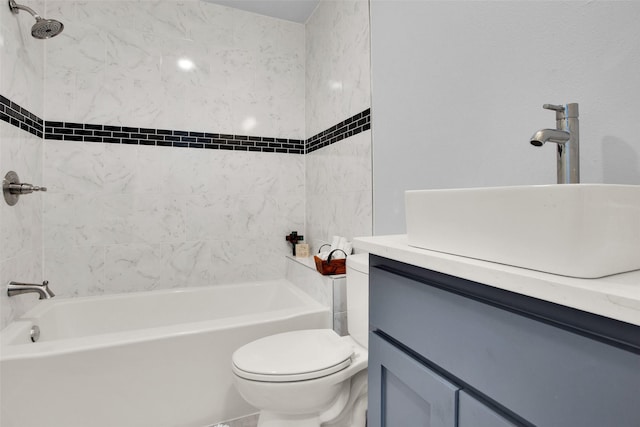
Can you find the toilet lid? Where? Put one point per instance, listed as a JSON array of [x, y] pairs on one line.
[[293, 356]]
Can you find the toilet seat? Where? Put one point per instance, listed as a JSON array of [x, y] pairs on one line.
[[293, 356]]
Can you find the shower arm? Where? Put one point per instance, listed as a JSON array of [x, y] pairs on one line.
[[15, 8]]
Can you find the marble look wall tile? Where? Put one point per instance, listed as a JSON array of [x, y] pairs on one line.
[[346, 214], [339, 190], [208, 23], [187, 264], [75, 271], [120, 168], [21, 80], [319, 287], [142, 218], [116, 63], [21, 224], [338, 177], [337, 63], [73, 220], [21, 59], [345, 165], [210, 216], [133, 267], [168, 217], [73, 167]]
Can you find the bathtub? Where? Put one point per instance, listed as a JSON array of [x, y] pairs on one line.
[[158, 358]]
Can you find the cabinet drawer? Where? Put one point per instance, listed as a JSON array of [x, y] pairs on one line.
[[547, 375], [472, 413], [404, 392]]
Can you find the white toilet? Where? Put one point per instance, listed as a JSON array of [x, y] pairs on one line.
[[312, 377]]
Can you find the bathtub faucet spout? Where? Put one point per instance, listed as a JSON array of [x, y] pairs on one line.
[[16, 288]]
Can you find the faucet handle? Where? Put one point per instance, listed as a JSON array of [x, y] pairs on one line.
[[553, 107], [563, 112]]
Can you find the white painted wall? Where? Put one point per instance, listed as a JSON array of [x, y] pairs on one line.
[[458, 88]]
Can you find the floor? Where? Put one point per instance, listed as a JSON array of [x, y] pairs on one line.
[[248, 421]]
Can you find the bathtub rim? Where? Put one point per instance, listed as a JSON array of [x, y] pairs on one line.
[[18, 330]]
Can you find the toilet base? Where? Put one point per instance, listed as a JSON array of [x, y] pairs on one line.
[[350, 413], [270, 419]]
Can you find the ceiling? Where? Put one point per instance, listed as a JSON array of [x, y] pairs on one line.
[[290, 10]]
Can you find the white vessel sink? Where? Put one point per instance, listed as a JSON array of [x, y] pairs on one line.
[[578, 230]]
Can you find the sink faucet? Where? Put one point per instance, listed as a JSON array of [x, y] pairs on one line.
[[16, 288], [567, 136]]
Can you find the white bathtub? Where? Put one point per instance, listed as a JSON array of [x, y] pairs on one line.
[[159, 358]]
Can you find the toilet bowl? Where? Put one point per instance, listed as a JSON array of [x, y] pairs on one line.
[[311, 378]]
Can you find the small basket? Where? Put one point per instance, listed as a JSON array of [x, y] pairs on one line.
[[331, 266]]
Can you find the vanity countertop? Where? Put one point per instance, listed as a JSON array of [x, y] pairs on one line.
[[616, 296]]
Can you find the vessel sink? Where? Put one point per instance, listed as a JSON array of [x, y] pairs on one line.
[[577, 230]]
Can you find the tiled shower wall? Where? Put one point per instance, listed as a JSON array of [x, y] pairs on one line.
[[123, 217], [137, 214], [338, 177], [116, 63], [21, 72]]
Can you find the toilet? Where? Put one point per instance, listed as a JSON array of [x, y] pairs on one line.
[[312, 378]]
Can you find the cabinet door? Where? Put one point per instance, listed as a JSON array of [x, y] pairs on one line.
[[473, 413], [403, 392]]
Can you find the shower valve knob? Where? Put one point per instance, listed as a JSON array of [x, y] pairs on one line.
[[12, 188], [24, 188]]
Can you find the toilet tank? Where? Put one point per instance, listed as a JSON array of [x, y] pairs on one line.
[[358, 298]]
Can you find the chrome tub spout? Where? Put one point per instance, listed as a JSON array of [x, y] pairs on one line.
[[17, 288]]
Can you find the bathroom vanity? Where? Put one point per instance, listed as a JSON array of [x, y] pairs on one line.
[[456, 341]]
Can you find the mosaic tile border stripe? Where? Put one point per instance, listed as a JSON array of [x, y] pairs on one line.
[[68, 131], [20, 117], [345, 129]]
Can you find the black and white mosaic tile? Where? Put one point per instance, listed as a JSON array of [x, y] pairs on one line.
[[18, 116], [87, 132], [345, 129]]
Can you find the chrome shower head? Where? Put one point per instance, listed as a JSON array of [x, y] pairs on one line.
[[43, 28], [46, 28]]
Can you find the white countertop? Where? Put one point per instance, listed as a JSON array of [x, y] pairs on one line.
[[616, 296]]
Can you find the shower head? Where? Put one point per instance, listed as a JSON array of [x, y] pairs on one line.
[[43, 28], [46, 28]]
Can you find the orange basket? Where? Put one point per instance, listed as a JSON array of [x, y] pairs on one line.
[[331, 266]]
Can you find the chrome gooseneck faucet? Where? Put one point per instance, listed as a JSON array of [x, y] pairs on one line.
[[16, 288], [567, 136]]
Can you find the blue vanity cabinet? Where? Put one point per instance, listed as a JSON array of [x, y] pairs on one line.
[[408, 393], [473, 413], [500, 358]]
